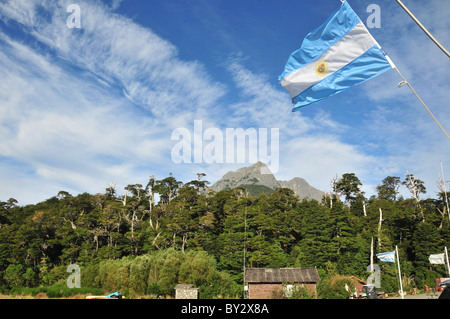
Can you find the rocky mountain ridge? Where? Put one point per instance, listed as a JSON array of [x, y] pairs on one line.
[[255, 182]]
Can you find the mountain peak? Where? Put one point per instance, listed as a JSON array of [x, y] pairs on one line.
[[255, 174], [258, 178]]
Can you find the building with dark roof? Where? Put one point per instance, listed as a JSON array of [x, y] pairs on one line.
[[267, 283]]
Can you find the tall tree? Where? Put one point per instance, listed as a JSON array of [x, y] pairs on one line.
[[415, 186], [349, 186], [316, 235], [389, 189], [183, 215], [167, 188]]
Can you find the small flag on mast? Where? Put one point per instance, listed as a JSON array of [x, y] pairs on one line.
[[437, 259], [336, 56], [387, 257]]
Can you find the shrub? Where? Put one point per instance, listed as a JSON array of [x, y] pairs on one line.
[[13, 275], [158, 273], [334, 287], [55, 291]]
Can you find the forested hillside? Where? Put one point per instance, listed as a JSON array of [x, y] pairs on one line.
[[131, 242]]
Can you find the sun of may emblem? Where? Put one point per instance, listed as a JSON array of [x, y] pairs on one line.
[[321, 68]]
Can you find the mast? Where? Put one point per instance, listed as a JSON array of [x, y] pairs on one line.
[[399, 273], [424, 29]]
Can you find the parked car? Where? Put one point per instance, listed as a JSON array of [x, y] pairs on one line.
[[445, 294]]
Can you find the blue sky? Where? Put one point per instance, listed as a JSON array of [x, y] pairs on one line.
[[83, 108]]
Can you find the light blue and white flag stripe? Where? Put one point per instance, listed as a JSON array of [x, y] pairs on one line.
[[388, 256], [339, 54]]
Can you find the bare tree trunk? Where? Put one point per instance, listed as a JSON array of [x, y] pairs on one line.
[[154, 241], [185, 237]]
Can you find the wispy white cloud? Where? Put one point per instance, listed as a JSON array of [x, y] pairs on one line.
[[260, 100], [116, 4], [121, 52], [56, 122], [118, 108], [82, 107], [320, 158]]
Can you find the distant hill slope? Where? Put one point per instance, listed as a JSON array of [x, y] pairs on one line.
[[251, 179]]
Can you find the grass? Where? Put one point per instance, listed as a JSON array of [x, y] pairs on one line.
[[57, 290]]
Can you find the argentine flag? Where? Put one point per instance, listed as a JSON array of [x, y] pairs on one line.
[[388, 257], [339, 54]]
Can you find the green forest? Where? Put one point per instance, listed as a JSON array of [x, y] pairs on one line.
[[152, 237]]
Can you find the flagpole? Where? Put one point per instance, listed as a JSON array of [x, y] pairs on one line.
[[424, 29], [371, 257], [446, 256], [415, 93], [399, 272]]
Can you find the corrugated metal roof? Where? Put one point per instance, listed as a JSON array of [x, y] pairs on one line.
[[283, 275]]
